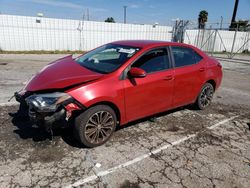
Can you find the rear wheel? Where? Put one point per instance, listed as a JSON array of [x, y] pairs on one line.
[[95, 126], [205, 96]]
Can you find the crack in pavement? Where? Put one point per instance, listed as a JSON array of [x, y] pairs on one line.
[[142, 157]]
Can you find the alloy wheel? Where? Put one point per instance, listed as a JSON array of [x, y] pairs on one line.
[[206, 96], [99, 127]]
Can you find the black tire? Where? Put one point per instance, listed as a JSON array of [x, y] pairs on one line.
[[205, 96], [99, 119]]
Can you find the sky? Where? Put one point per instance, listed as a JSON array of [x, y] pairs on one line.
[[138, 11]]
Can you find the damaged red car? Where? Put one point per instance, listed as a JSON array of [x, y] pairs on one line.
[[118, 83]]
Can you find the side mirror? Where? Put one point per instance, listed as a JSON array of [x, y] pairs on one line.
[[135, 72]]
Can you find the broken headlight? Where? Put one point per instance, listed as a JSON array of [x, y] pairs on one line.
[[47, 102]]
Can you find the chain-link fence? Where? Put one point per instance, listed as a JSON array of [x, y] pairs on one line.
[[215, 41]]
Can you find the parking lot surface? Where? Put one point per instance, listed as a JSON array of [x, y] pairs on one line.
[[179, 148]]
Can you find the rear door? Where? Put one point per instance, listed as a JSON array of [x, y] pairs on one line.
[[153, 93], [189, 75]]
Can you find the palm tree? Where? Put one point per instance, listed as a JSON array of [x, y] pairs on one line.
[[202, 19]]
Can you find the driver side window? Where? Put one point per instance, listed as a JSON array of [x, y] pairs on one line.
[[153, 61]]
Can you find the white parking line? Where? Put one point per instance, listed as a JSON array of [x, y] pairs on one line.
[[140, 158], [222, 122]]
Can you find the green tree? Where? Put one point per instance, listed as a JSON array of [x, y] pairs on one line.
[[241, 25], [202, 19], [110, 20]]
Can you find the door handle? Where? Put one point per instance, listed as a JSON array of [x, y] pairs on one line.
[[169, 77], [202, 69]]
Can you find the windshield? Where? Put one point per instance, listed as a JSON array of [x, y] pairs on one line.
[[107, 58]]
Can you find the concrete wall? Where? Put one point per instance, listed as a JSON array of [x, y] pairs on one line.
[[20, 33]]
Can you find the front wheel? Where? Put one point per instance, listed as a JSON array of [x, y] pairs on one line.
[[205, 96], [95, 125]]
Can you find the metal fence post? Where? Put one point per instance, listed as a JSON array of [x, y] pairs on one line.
[[232, 49], [215, 35], [240, 48]]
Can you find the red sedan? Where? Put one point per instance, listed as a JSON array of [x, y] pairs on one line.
[[118, 83]]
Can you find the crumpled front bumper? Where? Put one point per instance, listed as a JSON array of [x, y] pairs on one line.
[[47, 119]]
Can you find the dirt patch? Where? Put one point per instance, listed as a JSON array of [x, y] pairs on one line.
[[183, 123], [5, 112], [47, 154], [172, 128], [208, 137], [128, 184]]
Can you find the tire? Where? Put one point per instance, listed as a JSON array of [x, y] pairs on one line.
[[95, 126], [205, 96]]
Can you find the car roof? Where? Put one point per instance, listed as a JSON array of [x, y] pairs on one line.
[[155, 43], [145, 43]]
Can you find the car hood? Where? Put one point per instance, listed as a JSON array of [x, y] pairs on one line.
[[61, 74]]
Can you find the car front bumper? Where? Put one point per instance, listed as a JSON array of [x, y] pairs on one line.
[[47, 119]]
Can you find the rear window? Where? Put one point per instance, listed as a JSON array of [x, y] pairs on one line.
[[185, 56]]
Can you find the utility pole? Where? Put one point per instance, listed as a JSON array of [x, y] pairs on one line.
[[234, 13], [88, 14], [125, 14]]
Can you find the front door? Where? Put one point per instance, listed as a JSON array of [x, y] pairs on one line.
[[153, 93]]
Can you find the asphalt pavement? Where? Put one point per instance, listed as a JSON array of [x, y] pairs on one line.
[[180, 148]]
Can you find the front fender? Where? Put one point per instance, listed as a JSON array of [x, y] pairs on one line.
[[104, 91]]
